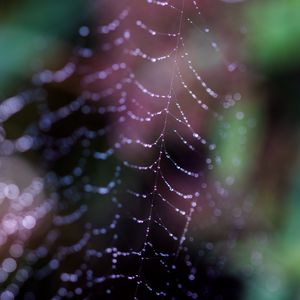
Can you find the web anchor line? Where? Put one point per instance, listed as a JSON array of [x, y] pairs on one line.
[[158, 172]]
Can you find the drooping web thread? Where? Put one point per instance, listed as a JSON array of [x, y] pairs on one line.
[[129, 187]]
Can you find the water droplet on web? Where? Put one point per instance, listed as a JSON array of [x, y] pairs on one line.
[[240, 115], [84, 31]]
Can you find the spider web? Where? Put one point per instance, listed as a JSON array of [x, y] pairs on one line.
[[130, 186]]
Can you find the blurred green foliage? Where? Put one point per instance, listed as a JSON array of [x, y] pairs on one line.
[[274, 32], [239, 140], [276, 262], [273, 46], [32, 32]]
